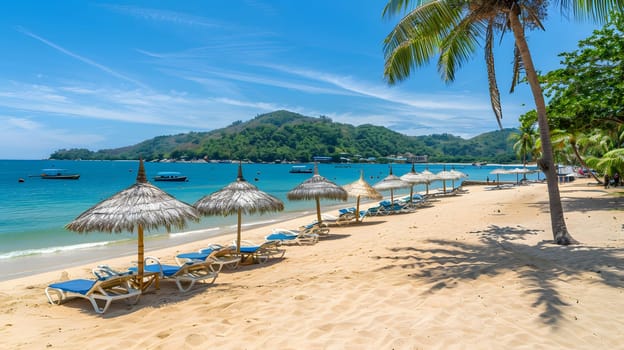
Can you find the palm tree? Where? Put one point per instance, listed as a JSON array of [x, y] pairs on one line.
[[453, 29], [570, 140], [524, 142], [610, 162]]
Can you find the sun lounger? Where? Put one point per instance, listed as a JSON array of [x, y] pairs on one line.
[[340, 220], [261, 253], [185, 275], [106, 289], [217, 255], [345, 216], [285, 236], [321, 230]]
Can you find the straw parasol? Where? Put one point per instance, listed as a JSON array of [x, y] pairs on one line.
[[391, 182], [361, 188], [238, 197], [445, 175], [413, 178], [143, 206], [430, 177], [317, 187], [498, 172], [519, 171], [458, 175]]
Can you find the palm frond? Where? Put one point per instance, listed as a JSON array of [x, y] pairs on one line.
[[493, 85], [518, 67], [593, 10], [415, 39], [459, 45]]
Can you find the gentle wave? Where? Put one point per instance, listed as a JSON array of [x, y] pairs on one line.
[[185, 233], [256, 223], [41, 251]]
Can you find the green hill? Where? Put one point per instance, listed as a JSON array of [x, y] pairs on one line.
[[284, 135]]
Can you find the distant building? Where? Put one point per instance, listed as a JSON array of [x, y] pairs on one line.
[[322, 159], [420, 159]]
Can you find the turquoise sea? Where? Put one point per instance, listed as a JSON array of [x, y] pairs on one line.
[[33, 213]]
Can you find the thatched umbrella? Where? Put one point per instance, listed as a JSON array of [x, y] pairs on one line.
[[238, 197], [413, 178], [446, 175], [519, 171], [429, 176], [497, 172], [391, 182], [141, 205], [458, 175], [317, 187], [361, 188]]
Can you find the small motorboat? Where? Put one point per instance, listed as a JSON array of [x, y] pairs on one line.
[[58, 174], [301, 169], [172, 176]]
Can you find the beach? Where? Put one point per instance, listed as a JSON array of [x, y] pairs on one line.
[[472, 271]]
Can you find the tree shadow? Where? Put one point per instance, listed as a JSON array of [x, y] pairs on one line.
[[500, 251], [571, 204]]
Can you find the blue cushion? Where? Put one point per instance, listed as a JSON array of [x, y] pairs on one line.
[[167, 270], [249, 249], [280, 236], [80, 286], [193, 256]]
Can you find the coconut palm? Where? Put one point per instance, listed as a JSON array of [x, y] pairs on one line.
[[573, 141], [524, 142], [453, 28], [610, 162]]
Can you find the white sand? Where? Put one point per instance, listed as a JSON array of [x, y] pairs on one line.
[[475, 271]]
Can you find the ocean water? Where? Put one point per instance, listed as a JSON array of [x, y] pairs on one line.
[[33, 213]]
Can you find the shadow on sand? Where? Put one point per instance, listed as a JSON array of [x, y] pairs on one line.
[[499, 252]]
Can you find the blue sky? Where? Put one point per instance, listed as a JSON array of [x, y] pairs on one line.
[[106, 74]]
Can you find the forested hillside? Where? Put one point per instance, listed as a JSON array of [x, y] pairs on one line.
[[284, 135]]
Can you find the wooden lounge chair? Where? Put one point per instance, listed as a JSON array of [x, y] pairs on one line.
[[105, 289], [321, 230], [217, 255], [185, 276], [261, 253], [284, 236]]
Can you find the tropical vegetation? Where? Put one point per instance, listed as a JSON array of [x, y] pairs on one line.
[[288, 136], [453, 29], [586, 106]]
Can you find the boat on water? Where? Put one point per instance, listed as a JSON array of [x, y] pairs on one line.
[[58, 174], [172, 176], [301, 169]]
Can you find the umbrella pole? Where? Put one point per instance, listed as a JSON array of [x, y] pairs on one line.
[[318, 210], [140, 249], [238, 232], [427, 186], [444, 185], [357, 210], [392, 199], [411, 195]]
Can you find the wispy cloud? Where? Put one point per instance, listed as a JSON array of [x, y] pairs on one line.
[[176, 109], [165, 16], [81, 58], [383, 92]]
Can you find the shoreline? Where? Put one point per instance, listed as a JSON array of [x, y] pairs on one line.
[[28, 265], [477, 270]]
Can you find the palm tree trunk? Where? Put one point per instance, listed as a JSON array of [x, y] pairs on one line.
[[582, 161], [546, 163]]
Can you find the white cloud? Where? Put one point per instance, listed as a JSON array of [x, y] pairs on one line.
[[81, 58]]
